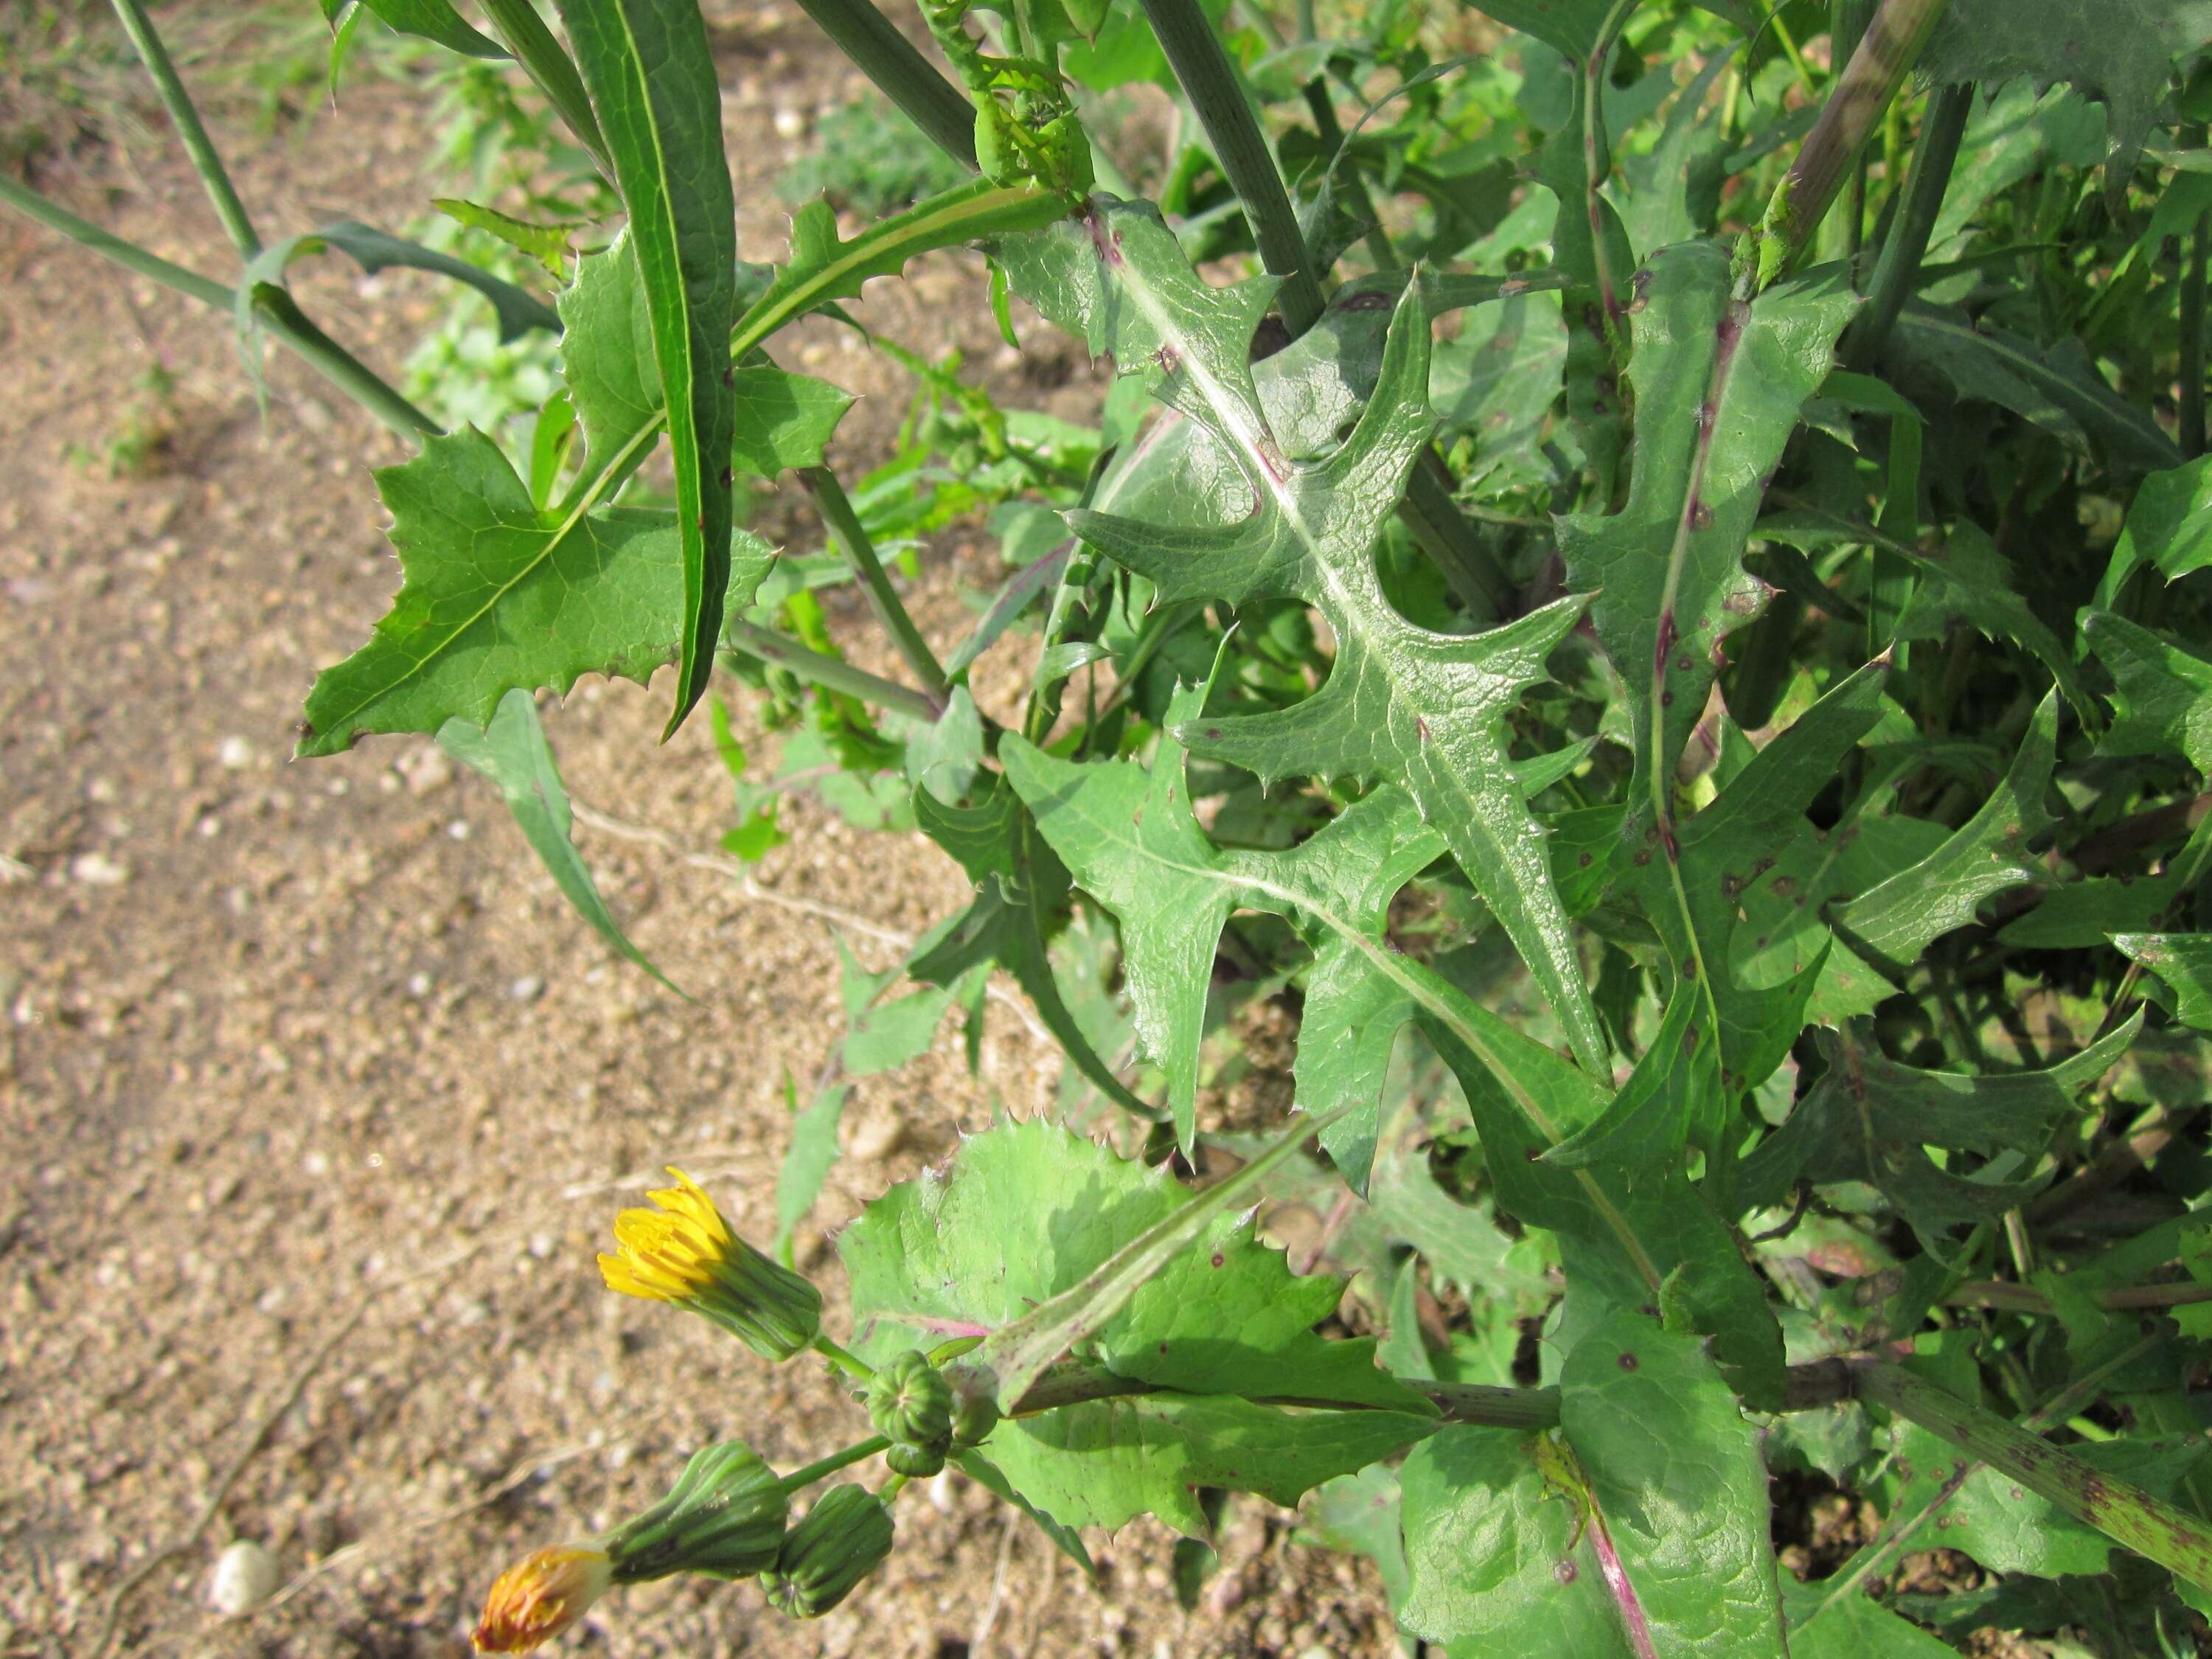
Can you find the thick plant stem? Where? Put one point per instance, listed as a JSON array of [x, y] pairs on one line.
[[859, 552], [1847, 26], [819, 669], [278, 315], [1597, 168], [1856, 106], [543, 58], [2125, 1513], [1898, 268], [887, 58], [1201, 65], [178, 103], [2193, 298]]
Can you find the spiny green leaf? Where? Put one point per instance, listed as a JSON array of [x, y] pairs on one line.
[[807, 1160], [1423, 709], [1677, 1487], [1719, 388], [1724, 1035], [1222, 1317], [2059, 389], [518, 313], [783, 421], [2184, 961], [433, 20], [1871, 1119], [1621, 1238], [512, 751], [823, 267], [498, 595], [547, 244], [1021, 891], [2161, 696], [2121, 51], [651, 75], [1988, 855], [2169, 527], [1021, 1351]]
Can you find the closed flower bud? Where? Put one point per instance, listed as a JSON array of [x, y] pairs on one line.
[[725, 1516], [910, 1403], [843, 1539], [975, 1411], [685, 1253], [916, 1463], [540, 1596]]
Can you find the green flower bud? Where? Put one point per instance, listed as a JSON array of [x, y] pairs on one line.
[[725, 1516], [843, 1539], [916, 1463], [910, 1403], [975, 1411]]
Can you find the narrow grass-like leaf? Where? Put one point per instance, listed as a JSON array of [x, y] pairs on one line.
[[650, 72]]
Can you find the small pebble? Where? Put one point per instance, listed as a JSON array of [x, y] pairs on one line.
[[789, 123], [98, 870], [528, 988], [426, 769], [235, 754], [459, 829], [245, 1576]]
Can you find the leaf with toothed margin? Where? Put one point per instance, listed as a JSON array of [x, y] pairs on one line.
[[1021, 892], [1718, 387], [1130, 838], [1721, 1037], [1642, 1528], [497, 594], [1423, 710], [1221, 1323], [1871, 1119], [1900, 918]]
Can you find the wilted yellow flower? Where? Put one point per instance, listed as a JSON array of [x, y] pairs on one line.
[[685, 1253], [541, 1595]]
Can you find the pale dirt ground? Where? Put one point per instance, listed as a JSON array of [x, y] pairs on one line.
[[262, 1062]]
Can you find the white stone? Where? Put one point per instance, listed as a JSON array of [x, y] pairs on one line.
[[98, 870], [528, 988], [245, 1576], [235, 754]]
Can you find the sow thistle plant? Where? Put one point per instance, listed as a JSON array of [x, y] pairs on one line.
[[1648, 602]]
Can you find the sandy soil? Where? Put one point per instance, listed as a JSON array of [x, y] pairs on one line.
[[310, 1084]]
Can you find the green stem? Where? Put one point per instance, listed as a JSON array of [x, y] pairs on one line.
[[887, 58], [1331, 134], [1597, 168], [2009, 1298], [2122, 1512], [849, 1363], [279, 315], [1215, 90], [1897, 271], [1856, 106], [178, 103], [859, 552], [818, 668], [799, 1479], [1474, 576], [2193, 297], [522, 31]]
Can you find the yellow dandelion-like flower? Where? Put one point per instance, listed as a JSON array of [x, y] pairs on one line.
[[683, 1252], [541, 1595]]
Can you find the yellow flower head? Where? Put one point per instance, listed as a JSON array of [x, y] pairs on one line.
[[683, 1252], [540, 1596], [669, 1255]]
